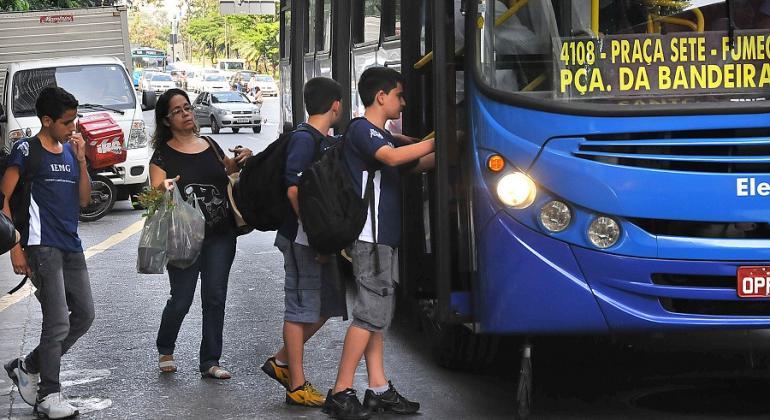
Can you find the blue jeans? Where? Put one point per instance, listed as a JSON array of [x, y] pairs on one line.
[[213, 265]]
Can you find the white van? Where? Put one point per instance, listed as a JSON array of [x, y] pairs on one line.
[[100, 84]]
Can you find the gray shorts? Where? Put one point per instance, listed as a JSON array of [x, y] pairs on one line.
[[376, 299], [312, 290]]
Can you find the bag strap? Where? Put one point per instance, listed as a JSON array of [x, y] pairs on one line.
[[214, 149], [35, 158], [369, 197], [18, 286]]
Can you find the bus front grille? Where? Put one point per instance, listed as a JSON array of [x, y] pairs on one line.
[[717, 307], [694, 280], [695, 229], [717, 151]]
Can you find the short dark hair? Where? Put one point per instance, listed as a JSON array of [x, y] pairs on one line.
[[375, 79], [162, 107], [53, 102], [320, 93]]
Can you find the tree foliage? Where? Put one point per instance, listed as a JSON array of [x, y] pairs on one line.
[[26, 5], [149, 30]]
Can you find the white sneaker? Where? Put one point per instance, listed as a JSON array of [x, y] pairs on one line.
[[54, 406], [26, 382]]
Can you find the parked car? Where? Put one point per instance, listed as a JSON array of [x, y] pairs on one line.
[[226, 110], [144, 81], [213, 83], [160, 82], [267, 85], [189, 81]]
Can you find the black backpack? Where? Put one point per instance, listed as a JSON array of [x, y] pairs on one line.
[[21, 196], [333, 212], [260, 193], [20, 199]]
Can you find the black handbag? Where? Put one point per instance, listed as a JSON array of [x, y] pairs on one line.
[[9, 236]]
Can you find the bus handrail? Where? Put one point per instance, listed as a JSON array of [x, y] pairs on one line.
[[700, 21], [427, 58], [534, 83], [679, 21]]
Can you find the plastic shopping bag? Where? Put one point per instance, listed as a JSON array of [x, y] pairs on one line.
[[186, 229], [152, 243]]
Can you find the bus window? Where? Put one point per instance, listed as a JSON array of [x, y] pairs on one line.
[[367, 16], [627, 52], [310, 28], [326, 27], [391, 19], [286, 27]]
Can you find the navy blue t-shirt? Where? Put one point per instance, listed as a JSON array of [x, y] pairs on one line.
[[301, 152], [362, 140], [55, 197]]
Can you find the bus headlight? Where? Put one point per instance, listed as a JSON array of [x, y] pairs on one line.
[[604, 232], [516, 190], [555, 216]]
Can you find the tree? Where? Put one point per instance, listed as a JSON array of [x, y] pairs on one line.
[[148, 30], [208, 33], [25, 5], [256, 39]]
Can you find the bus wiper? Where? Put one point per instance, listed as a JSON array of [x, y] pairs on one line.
[[730, 24], [100, 106]]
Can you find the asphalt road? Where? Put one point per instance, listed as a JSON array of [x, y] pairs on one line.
[[112, 371]]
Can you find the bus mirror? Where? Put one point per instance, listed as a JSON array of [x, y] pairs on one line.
[[148, 100]]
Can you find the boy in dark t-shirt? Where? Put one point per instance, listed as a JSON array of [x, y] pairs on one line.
[[50, 252], [370, 148], [313, 293]]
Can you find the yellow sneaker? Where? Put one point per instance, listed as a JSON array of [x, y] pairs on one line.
[[279, 373], [305, 395]]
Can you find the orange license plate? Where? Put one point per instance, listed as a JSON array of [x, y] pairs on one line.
[[754, 282]]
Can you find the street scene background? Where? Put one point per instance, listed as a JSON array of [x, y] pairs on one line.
[[112, 371]]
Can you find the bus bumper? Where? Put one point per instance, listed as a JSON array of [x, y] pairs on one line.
[[529, 283]]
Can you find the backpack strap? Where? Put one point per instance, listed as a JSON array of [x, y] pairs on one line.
[[31, 168], [316, 135], [369, 197], [34, 159]]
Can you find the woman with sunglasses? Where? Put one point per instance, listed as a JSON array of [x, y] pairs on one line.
[[183, 156]]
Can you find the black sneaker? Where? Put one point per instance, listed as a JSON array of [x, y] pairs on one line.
[[389, 402], [345, 406]]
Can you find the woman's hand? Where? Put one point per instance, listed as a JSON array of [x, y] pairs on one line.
[[168, 184], [241, 155]]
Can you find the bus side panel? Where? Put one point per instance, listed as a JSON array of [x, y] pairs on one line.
[[529, 283]]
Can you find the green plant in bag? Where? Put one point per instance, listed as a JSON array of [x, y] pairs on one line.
[[151, 199]]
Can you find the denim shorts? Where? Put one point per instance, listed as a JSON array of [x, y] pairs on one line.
[[312, 290], [376, 299]]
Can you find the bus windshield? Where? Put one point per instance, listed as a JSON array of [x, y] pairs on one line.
[[98, 84], [635, 52]]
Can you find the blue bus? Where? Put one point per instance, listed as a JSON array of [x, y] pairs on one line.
[[602, 166], [149, 58]]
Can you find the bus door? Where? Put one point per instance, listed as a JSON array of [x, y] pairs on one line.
[[285, 64], [437, 205]]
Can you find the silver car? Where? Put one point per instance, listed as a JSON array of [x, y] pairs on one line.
[[226, 110]]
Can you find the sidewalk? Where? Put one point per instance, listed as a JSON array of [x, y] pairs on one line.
[[20, 327]]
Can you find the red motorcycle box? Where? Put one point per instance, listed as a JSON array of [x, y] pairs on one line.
[[105, 142]]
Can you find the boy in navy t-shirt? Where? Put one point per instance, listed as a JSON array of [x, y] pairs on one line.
[[50, 252], [370, 148], [313, 292]]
